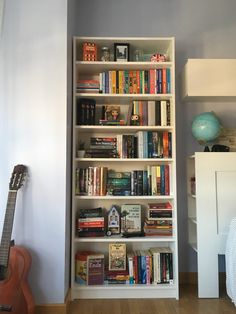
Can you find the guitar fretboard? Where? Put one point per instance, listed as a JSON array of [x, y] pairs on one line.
[[7, 228]]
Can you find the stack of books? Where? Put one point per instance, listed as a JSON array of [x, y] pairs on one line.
[[87, 86], [158, 221], [116, 276], [90, 223], [102, 147]]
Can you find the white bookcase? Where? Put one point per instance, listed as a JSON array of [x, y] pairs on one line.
[[211, 206], [86, 70]]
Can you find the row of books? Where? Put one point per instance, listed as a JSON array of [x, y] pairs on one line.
[[142, 144], [153, 81], [151, 112], [99, 181], [91, 181], [145, 144], [153, 266], [126, 220], [95, 227]]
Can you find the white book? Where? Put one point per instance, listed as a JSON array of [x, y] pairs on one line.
[[163, 113], [151, 112]]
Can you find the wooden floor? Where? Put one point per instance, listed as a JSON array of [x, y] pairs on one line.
[[187, 304]]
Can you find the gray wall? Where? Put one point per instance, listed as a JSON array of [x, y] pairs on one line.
[[202, 29]]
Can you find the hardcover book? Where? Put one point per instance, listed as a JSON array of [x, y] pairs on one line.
[[81, 267], [117, 256], [95, 269], [131, 218]]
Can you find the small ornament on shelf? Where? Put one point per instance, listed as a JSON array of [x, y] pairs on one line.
[[113, 221], [105, 54], [135, 119], [81, 150], [157, 57]]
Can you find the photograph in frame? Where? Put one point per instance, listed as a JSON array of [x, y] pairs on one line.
[[121, 52]]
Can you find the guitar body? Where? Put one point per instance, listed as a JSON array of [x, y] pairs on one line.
[[14, 290]]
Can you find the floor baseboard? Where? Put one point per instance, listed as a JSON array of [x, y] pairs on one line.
[[190, 278], [59, 308], [51, 309]]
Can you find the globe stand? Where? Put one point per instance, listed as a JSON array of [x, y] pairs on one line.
[[206, 149]]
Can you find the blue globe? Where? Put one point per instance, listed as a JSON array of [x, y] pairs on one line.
[[206, 127]]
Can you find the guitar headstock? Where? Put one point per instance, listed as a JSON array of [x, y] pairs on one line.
[[17, 178]]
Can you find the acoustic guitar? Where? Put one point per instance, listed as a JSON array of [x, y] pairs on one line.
[[15, 261]]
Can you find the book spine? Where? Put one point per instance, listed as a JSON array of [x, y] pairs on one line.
[[148, 268], [167, 180], [151, 112], [152, 74], [158, 180], [168, 81], [162, 169], [131, 268], [164, 81], [163, 113], [157, 112]]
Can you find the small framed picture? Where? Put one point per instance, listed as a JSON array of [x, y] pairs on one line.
[[121, 52]]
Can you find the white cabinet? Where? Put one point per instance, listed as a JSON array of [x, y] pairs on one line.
[[210, 210], [86, 70], [204, 79]]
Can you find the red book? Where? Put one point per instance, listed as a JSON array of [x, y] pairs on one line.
[[165, 141], [164, 81], [152, 81], [166, 205], [167, 180]]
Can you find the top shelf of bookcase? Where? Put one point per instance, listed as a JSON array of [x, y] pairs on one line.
[[149, 45]]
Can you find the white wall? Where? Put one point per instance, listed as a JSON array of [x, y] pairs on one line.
[[33, 130]]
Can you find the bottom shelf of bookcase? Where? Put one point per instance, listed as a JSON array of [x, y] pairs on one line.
[[122, 291]]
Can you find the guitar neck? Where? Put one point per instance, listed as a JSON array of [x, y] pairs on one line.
[[7, 228]]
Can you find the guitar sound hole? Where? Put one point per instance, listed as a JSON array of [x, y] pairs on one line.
[[3, 272]]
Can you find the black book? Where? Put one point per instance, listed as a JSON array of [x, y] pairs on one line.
[[158, 112], [139, 182], [85, 114], [91, 212]]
